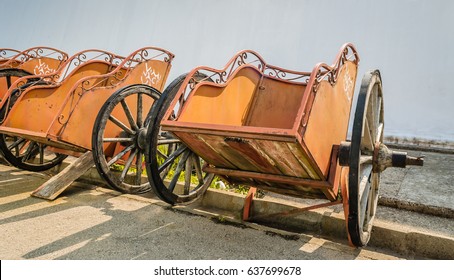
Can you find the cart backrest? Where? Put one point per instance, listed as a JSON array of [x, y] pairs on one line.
[[7, 54], [31, 62], [148, 65], [36, 61], [251, 94], [48, 95], [249, 98]]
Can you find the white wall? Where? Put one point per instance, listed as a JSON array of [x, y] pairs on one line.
[[410, 41]]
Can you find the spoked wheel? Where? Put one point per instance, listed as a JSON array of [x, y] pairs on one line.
[[118, 139], [175, 172], [364, 179], [28, 155]]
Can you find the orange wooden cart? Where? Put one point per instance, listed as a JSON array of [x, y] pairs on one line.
[[60, 113], [283, 131]]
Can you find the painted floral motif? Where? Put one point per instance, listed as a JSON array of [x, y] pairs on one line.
[[149, 76], [42, 68], [348, 84]]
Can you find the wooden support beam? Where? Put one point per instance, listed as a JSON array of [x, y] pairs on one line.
[[247, 209], [58, 183]]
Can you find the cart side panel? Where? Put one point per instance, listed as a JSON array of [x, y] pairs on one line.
[[276, 104], [37, 107], [84, 111], [329, 116], [41, 66], [84, 114], [152, 73], [223, 105]]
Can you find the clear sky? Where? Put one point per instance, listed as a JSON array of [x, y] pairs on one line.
[[410, 41]]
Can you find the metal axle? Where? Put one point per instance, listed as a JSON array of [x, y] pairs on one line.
[[382, 157]]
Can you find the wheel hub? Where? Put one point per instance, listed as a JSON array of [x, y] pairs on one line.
[[140, 138], [382, 158]]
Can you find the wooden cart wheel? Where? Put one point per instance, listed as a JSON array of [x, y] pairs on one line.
[[120, 158], [28, 155], [19, 152], [175, 172], [364, 182]]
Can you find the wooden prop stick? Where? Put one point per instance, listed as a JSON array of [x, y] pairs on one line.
[[58, 183]]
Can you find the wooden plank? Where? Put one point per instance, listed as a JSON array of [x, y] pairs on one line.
[[284, 159], [254, 155], [269, 177], [197, 144], [58, 183], [239, 160]]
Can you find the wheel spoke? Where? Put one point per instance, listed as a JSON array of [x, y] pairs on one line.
[[370, 116], [139, 167], [378, 110], [187, 175], [367, 142], [178, 170], [119, 139], [120, 124], [128, 165], [379, 133], [364, 199], [16, 144], [198, 168], [172, 158], [41, 154], [120, 155], [365, 160], [139, 110], [129, 115], [168, 141], [161, 154], [28, 153]]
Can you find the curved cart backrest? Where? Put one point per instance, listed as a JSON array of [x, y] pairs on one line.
[[254, 117], [87, 62], [67, 109], [33, 61], [36, 60], [7, 54], [149, 65]]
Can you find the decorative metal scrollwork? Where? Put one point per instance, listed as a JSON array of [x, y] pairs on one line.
[[331, 73]]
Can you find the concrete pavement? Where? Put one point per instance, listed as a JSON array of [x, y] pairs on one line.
[[92, 222]]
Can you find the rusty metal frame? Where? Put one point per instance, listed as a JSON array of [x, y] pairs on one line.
[[6, 54]]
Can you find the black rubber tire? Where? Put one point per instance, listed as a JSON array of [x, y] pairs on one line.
[[179, 157], [123, 180], [364, 183]]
